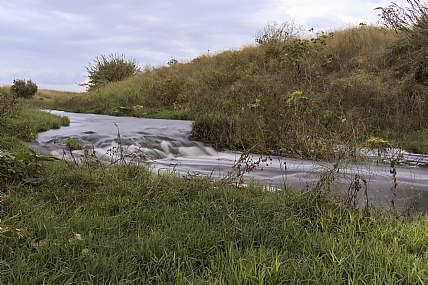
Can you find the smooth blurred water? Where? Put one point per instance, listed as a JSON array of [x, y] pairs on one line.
[[168, 147]]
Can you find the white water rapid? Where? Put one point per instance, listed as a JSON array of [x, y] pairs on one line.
[[168, 147]]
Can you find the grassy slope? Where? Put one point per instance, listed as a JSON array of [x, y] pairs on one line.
[[247, 97], [27, 122], [20, 121], [122, 225], [125, 226], [46, 98]]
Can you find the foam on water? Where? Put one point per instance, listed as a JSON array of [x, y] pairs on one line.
[[168, 146]]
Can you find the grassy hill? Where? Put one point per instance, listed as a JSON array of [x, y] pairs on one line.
[[298, 96], [63, 222]]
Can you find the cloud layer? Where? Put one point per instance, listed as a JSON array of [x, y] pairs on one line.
[[51, 41]]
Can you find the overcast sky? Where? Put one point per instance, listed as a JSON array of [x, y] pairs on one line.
[[51, 41]]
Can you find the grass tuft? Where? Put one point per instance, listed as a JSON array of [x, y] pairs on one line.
[[84, 226]]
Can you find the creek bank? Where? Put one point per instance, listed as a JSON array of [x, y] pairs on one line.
[[168, 146]]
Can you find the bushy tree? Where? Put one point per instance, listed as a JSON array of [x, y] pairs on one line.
[[23, 89], [111, 68]]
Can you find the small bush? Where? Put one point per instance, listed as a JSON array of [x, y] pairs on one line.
[[7, 104], [112, 68], [274, 36], [22, 167], [23, 89]]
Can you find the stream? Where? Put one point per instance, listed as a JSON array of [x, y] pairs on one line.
[[168, 147]]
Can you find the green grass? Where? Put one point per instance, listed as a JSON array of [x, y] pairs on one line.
[[416, 141], [94, 225], [11, 143], [169, 114], [51, 96], [99, 224], [29, 121], [304, 99], [40, 103]]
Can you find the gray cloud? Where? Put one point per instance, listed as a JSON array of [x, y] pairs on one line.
[[51, 41], [323, 23]]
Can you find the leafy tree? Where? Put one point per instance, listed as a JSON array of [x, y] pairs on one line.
[[111, 68], [24, 89]]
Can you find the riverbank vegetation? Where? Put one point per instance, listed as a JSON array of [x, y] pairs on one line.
[[295, 93], [63, 222], [101, 224], [18, 118], [121, 224]]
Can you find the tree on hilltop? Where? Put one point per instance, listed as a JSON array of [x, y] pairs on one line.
[[111, 68], [23, 89]]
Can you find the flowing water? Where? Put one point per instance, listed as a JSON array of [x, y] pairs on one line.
[[168, 147]]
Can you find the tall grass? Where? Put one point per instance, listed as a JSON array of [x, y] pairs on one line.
[[89, 224], [103, 224], [361, 47], [45, 98], [23, 121], [243, 98]]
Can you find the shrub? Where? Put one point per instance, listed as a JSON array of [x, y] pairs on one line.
[[23, 89], [306, 60], [22, 167], [111, 68], [274, 36], [7, 104], [408, 56]]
